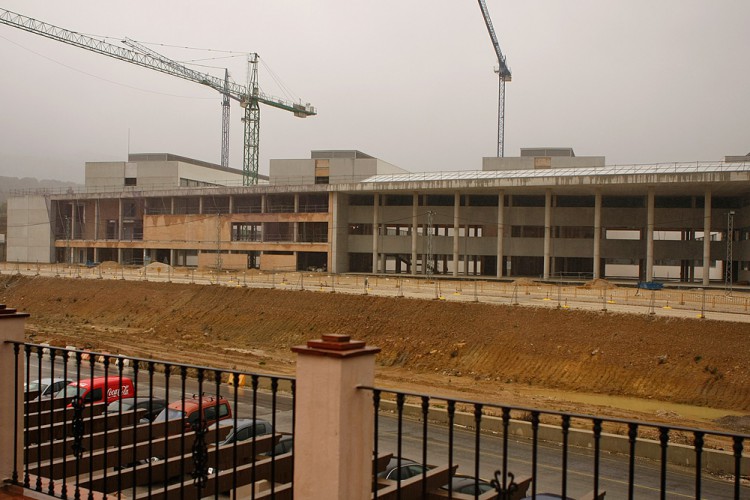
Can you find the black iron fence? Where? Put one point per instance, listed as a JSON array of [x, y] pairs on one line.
[[147, 428], [142, 428], [483, 450]]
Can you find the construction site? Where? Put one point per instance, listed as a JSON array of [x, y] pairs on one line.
[[636, 364]]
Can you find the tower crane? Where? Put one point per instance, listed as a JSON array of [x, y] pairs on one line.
[[249, 96], [504, 75]]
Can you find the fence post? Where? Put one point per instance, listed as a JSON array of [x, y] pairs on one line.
[[11, 415], [333, 430]]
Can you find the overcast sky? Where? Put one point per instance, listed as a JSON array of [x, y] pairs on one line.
[[410, 82]]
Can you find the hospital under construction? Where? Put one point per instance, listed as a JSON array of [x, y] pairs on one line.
[[544, 214]]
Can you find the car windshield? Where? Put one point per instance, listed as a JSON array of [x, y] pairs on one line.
[[70, 391], [169, 414], [33, 386], [127, 404]]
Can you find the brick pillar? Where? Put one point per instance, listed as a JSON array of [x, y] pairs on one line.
[[11, 415], [333, 431]]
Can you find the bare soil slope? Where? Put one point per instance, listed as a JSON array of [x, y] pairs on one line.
[[450, 347]]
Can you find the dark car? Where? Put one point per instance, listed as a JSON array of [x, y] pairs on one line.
[[153, 406], [407, 469], [247, 428], [468, 485], [285, 445]]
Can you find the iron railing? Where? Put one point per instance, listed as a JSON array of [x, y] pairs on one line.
[[76, 445], [506, 452]]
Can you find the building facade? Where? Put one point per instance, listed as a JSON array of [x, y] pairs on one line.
[[545, 214]]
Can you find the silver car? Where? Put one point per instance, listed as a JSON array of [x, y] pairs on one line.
[[46, 386]]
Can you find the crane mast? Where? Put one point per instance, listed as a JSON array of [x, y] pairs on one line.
[[504, 75], [249, 98]]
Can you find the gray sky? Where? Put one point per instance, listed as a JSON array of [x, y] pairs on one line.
[[410, 82]]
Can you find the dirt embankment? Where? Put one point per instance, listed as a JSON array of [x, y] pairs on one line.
[[489, 350]]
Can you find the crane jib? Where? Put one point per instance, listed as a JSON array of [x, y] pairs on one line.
[[145, 57]]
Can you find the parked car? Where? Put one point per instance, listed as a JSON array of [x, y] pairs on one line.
[[46, 386], [468, 485], [408, 468], [153, 406], [214, 409], [99, 389], [246, 429], [285, 445]]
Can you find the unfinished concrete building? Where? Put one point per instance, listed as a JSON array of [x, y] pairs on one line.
[[345, 211]]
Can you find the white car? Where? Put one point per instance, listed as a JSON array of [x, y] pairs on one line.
[[46, 386]]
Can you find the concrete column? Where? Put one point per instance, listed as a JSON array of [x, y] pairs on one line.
[[73, 226], [650, 235], [11, 411], [414, 227], [96, 220], [200, 204], [707, 238], [171, 205], [296, 203], [425, 264], [333, 442], [375, 210], [119, 219], [466, 251], [263, 203], [333, 235], [500, 232], [547, 229], [456, 227], [171, 257], [597, 234], [231, 204]]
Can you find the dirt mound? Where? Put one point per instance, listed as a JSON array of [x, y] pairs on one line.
[[456, 346], [109, 264], [525, 282], [158, 267], [599, 284]]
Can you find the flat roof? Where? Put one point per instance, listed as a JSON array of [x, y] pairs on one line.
[[656, 168]]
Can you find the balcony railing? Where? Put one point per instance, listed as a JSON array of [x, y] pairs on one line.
[[185, 431], [181, 431]]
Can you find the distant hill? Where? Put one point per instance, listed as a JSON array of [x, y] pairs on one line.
[[8, 184]]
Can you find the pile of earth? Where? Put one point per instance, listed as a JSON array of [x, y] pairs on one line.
[[511, 355]]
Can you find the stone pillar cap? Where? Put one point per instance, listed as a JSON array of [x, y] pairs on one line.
[[6, 312], [335, 345]]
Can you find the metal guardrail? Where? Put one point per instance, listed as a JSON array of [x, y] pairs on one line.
[[563, 294]]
